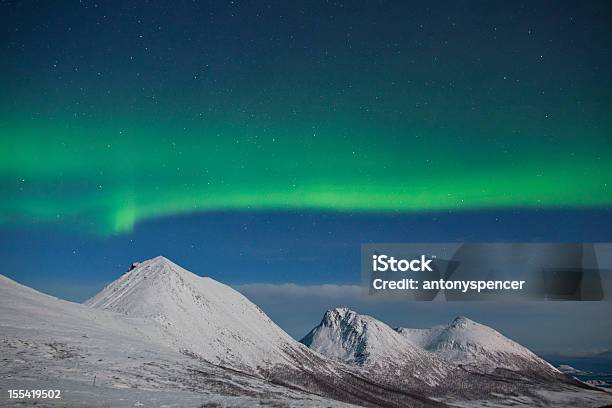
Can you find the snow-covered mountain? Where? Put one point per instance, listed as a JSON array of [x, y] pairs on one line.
[[363, 341], [464, 363], [466, 342], [216, 324], [198, 314]]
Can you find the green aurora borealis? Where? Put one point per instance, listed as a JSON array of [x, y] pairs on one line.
[[115, 177], [149, 121]]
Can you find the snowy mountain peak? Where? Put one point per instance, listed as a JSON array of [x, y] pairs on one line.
[[197, 313], [160, 259], [364, 341], [343, 335], [341, 310], [159, 264], [462, 321], [141, 290], [467, 342], [336, 316]]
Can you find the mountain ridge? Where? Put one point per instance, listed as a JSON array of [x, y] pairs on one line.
[[161, 327], [216, 324], [430, 360]]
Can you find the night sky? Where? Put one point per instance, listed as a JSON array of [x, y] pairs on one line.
[[265, 141]]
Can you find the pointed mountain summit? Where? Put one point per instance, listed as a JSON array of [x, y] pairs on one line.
[[363, 341], [353, 338], [467, 342], [197, 314]]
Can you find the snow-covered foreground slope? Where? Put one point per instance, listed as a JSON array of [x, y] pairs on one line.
[[464, 363], [466, 342]]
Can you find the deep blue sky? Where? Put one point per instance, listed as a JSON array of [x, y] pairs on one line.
[[272, 247]]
